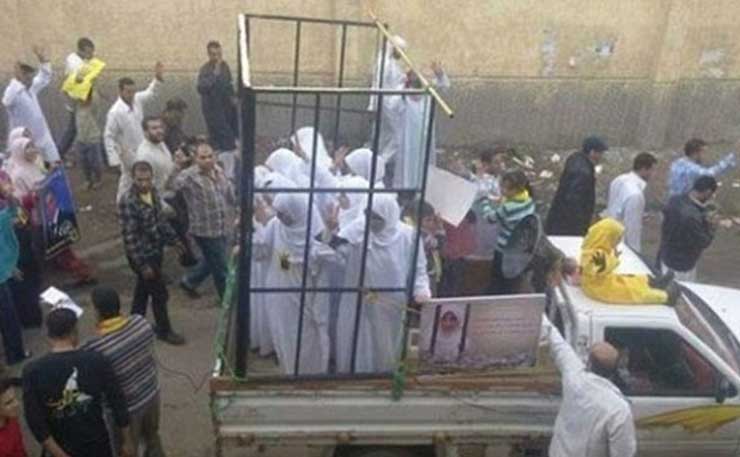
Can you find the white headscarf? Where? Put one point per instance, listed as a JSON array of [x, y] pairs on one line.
[[386, 206], [24, 174], [357, 201], [260, 173], [275, 180], [304, 137], [14, 134], [296, 207], [282, 161], [360, 162]]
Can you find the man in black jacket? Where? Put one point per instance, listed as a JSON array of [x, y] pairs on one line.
[[145, 234], [686, 229], [218, 105], [573, 206]]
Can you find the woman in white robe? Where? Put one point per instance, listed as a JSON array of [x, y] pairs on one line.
[[259, 335], [360, 162], [389, 256], [264, 335], [283, 161], [281, 244], [303, 142]]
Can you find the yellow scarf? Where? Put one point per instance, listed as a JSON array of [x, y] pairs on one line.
[[146, 198], [111, 325], [520, 197]]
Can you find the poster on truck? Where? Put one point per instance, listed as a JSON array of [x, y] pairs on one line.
[[57, 210], [480, 332]]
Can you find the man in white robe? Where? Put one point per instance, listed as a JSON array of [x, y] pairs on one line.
[[390, 251], [415, 131], [393, 78], [21, 101], [123, 133], [154, 151]]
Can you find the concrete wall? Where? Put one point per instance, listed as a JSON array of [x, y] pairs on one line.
[[543, 72]]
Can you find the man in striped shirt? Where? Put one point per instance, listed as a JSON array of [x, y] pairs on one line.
[[128, 343]]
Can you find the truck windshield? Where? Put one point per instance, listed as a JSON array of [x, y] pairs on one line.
[[695, 315]]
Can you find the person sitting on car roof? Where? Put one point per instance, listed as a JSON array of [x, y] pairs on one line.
[[599, 261]]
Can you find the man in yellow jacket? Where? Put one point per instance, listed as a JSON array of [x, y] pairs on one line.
[[600, 259]]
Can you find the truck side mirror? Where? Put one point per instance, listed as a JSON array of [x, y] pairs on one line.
[[722, 390]]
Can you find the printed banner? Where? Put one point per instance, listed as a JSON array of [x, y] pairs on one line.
[[57, 210], [480, 332]]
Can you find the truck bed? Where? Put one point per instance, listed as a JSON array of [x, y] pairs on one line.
[[479, 408]]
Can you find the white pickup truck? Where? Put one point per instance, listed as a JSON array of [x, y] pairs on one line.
[[680, 370]]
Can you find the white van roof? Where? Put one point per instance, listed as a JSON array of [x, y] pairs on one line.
[[630, 264]]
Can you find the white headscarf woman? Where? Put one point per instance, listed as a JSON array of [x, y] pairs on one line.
[[304, 139], [352, 204], [283, 161], [22, 168], [389, 256], [260, 336], [360, 162], [282, 243]]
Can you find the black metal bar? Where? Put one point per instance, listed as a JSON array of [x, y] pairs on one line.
[[280, 290], [366, 234], [435, 327], [247, 209], [421, 194], [331, 190], [316, 20], [363, 112], [381, 69], [340, 83], [464, 336], [307, 248], [313, 90], [296, 64], [277, 379]]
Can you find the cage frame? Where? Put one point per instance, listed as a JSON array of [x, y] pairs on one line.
[[248, 100]]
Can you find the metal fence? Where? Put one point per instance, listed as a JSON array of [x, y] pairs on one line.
[[320, 99]]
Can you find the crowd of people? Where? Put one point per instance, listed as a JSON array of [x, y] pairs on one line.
[[180, 191]]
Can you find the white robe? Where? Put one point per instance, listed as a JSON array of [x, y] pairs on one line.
[[160, 158], [123, 133], [394, 78], [23, 108], [275, 245], [415, 115], [381, 319]]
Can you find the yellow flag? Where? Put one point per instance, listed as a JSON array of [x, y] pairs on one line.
[[88, 72]]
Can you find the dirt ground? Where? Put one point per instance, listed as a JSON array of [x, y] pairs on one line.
[[186, 426]]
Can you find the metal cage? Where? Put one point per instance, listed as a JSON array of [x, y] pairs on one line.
[[236, 350]]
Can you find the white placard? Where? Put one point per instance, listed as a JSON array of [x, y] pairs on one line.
[[450, 195], [58, 299], [480, 332]]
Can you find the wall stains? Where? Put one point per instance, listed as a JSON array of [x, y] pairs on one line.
[[712, 63], [549, 53]]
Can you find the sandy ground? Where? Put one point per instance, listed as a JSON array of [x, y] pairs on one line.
[[186, 426]]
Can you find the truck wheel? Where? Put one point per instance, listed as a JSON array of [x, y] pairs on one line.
[[383, 451]]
